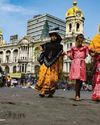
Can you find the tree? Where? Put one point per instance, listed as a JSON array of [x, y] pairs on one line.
[[45, 31], [90, 69]]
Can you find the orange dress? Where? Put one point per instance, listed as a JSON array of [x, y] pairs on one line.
[[48, 76], [95, 47], [96, 79]]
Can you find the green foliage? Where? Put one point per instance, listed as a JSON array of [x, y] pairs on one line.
[[89, 68], [45, 31]]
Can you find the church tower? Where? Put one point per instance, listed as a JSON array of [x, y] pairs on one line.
[[74, 20]]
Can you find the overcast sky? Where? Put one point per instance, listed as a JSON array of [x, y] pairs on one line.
[[14, 14]]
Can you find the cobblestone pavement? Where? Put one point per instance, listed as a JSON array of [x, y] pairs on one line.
[[24, 107]]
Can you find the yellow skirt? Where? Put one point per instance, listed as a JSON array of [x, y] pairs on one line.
[[48, 77]]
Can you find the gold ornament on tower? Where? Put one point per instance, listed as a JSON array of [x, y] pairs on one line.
[[74, 11]]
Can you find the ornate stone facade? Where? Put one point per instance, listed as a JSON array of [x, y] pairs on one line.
[[20, 56]]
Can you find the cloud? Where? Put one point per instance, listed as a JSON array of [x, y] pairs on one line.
[[4, 1], [13, 18], [10, 8], [7, 7]]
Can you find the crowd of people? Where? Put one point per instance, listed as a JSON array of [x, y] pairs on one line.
[[26, 81]]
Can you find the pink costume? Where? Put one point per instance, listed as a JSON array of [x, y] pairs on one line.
[[96, 79], [78, 65]]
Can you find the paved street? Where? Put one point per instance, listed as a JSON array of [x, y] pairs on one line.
[[24, 107]]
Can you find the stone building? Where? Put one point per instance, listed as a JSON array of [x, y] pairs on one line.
[[40, 25], [21, 54], [18, 56]]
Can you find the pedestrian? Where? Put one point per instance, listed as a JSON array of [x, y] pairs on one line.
[[8, 80], [77, 54], [95, 53], [51, 66]]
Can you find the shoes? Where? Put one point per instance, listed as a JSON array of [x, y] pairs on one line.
[[77, 98], [42, 95], [50, 96]]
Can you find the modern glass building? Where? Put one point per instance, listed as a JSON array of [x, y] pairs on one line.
[[40, 26]]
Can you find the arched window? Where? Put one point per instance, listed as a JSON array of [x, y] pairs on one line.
[[14, 69], [1, 70], [77, 26], [23, 68], [7, 69], [15, 55], [70, 27], [8, 55]]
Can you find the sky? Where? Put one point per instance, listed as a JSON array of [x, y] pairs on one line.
[[14, 14]]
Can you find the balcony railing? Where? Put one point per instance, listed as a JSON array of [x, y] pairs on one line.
[[23, 60]]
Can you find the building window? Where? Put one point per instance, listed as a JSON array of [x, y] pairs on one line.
[[70, 27], [7, 59], [7, 69], [70, 45], [14, 69], [15, 60], [22, 67], [77, 26], [25, 67], [0, 60]]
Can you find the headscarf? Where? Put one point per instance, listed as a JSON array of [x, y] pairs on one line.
[[95, 43]]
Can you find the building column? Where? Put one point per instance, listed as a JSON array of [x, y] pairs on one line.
[[18, 53], [20, 67], [68, 66], [17, 68], [30, 52], [23, 67], [4, 56], [11, 57], [10, 68], [64, 67]]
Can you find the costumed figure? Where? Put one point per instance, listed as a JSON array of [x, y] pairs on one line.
[[77, 54], [51, 60], [95, 53]]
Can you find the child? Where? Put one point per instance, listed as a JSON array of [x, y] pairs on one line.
[[78, 66]]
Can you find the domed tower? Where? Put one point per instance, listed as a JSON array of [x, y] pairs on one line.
[[74, 20]]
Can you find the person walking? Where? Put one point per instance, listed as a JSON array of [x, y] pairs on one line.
[[51, 65], [95, 53], [77, 54]]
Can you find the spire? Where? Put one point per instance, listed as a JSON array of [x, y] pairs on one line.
[[75, 3]]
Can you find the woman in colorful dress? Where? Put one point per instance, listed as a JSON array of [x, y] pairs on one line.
[[77, 54], [51, 66], [95, 53]]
